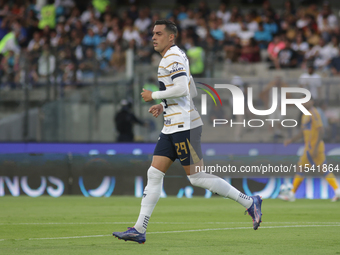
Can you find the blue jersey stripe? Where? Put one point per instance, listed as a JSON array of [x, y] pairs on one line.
[[178, 75]]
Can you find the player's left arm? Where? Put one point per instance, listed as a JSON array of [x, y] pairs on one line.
[[176, 71], [179, 89]]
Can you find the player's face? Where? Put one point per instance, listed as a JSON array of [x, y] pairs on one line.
[[161, 38]]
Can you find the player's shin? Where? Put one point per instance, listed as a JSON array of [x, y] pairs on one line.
[[298, 179], [330, 178], [151, 194], [219, 186]]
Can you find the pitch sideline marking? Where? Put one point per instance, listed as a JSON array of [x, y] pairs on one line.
[[170, 223], [176, 231]]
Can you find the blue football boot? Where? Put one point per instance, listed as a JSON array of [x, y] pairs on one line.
[[255, 211], [131, 235]]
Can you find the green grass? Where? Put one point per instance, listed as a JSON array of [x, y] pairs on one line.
[[302, 227]]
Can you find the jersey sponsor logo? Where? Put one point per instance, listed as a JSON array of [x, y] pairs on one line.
[[167, 122], [176, 68]]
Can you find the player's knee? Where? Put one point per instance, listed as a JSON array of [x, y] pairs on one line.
[[200, 180], [154, 174]]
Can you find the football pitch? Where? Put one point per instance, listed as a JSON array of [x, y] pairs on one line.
[[79, 225]]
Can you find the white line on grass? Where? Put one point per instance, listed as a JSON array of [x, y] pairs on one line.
[[170, 223], [177, 231], [214, 229]]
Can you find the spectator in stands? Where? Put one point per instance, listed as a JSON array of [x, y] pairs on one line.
[[274, 48], [233, 26], [46, 63], [118, 58], [54, 39], [60, 28], [196, 57], [233, 49], [81, 30], [302, 19], [144, 52], [202, 29], [301, 47], [289, 8], [335, 66], [10, 66], [133, 12], [203, 9], [270, 25], [189, 21], [100, 30], [66, 68], [48, 15], [287, 57], [4, 29], [103, 54], [10, 42], [130, 33], [71, 21], [112, 35], [78, 50], [327, 22], [107, 21], [324, 53], [62, 43], [91, 40], [311, 81], [86, 15], [250, 52], [262, 37], [182, 13], [267, 8], [215, 31], [143, 22], [87, 66], [245, 35], [251, 21], [223, 13], [5, 11]]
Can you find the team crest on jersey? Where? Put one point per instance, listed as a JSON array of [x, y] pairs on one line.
[[176, 68]]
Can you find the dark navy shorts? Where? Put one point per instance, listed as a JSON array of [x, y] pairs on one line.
[[184, 145]]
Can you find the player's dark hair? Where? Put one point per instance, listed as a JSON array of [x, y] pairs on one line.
[[169, 26]]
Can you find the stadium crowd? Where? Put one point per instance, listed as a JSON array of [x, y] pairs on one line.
[[60, 41]]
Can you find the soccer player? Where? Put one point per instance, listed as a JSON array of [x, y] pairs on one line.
[[314, 152], [181, 135]]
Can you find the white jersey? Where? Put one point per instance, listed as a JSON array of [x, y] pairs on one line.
[[179, 113]]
